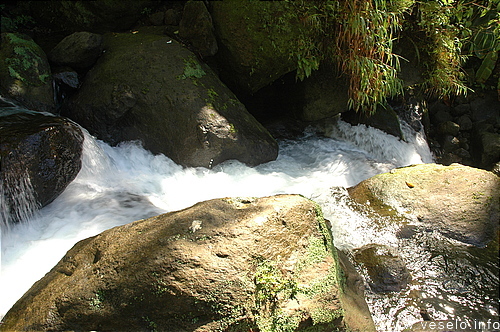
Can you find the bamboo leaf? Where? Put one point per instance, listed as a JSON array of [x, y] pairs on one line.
[[486, 68]]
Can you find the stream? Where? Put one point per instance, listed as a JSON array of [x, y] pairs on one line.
[[118, 185]]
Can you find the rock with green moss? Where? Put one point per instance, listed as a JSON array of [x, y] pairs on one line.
[[150, 88], [232, 264], [25, 72], [461, 202], [255, 41]]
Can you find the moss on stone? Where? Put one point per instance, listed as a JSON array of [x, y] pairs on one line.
[[192, 69], [255, 43], [309, 283], [23, 59]]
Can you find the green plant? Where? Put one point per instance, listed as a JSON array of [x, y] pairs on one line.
[[456, 30], [481, 25], [11, 22], [358, 37], [192, 68], [271, 286], [444, 76]]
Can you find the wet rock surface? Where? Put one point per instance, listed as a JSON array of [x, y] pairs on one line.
[[40, 155], [461, 202], [387, 271]]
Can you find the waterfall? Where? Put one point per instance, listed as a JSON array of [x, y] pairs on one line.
[[118, 185], [22, 204]]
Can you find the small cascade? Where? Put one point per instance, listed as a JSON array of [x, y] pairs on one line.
[[17, 200], [17, 197], [118, 185]]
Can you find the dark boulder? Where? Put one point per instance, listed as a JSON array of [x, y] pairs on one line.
[[325, 94], [384, 118], [386, 269], [148, 87], [254, 47], [486, 148], [79, 50], [40, 155], [197, 29], [25, 72], [232, 264]]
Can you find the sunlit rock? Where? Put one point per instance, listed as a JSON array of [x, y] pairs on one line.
[[460, 202], [148, 87], [233, 264]]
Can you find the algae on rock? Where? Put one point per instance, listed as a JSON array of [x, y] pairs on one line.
[[221, 265], [25, 72]]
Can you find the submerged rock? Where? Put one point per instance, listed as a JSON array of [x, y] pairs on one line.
[[40, 155], [387, 271], [148, 87], [222, 265], [461, 202], [25, 72]]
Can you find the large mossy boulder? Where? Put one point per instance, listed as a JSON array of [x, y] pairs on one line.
[[148, 87], [40, 155], [230, 264], [95, 16], [25, 72], [461, 202], [254, 38]]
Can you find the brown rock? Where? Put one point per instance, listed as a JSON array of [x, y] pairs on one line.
[[221, 265], [459, 201]]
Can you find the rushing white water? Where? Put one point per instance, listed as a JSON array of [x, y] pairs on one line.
[[118, 185]]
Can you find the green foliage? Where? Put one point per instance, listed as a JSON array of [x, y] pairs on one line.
[[25, 66], [358, 36], [192, 69], [456, 30], [13, 22], [271, 285]]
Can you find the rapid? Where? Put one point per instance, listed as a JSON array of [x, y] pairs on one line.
[[118, 185]]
